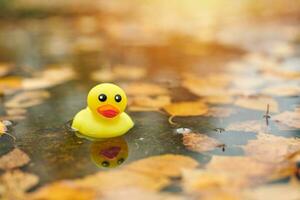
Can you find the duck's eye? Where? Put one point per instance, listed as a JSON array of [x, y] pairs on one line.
[[105, 164], [118, 98], [102, 97]]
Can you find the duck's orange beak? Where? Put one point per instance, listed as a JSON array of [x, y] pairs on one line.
[[108, 111]]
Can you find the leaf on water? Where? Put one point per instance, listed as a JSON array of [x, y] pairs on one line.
[[14, 184], [5, 68], [164, 165], [257, 103], [288, 191], [10, 84], [200, 142], [218, 99], [146, 103], [246, 82], [49, 78], [246, 126], [219, 112], [282, 90], [289, 118], [186, 108], [271, 148], [281, 73], [120, 72], [3, 128], [146, 89], [27, 99], [13, 159]]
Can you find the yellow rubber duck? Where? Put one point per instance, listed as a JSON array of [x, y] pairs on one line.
[[104, 116]]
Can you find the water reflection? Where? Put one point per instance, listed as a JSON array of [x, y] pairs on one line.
[[109, 153]]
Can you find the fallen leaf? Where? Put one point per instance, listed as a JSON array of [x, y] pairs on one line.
[[200, 142], [10, 84], [5, 68], [15, 183], [186, 108], [27, 99], [246, 126], [282, 90], [271, 148], [219, 112], [289, 118], [218, 99], [257, 103], [146, 89], [13, 159], [161, 166], [142, 103], [48, 78], [3, 128]]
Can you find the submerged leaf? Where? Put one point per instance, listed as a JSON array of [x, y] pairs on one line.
[[13, 159], [186, 108], [200, 142]]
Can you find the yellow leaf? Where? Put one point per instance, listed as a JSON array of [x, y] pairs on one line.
[[186, 108], [10, 84]]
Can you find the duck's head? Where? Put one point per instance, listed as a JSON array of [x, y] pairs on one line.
[[107, 100]]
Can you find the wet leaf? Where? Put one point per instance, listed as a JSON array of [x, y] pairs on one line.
[[147, 89], [257, 103], [289, 118], [164, 165], [220, 112], [27, 99], [282, 90], [246, 126], [145, 103], [271, 148], [48, 78], [186, 108], [13, 159], [10, 84], [3, 128], [200, 142], [14, 184]]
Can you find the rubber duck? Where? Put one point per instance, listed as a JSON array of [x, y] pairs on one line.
[[104, 116], [110, 153]]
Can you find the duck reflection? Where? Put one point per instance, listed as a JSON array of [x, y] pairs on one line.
[[109, 153]]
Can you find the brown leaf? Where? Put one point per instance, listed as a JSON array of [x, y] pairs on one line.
[[147, 89], [10, 84], [289, 118], [27, 99], [246, 126], [200, 142], [219, 112], [144, 103], [282, 90], [186, 108], [13, 159], [257, 103], [15, 183], [49, 78], [164, 165], [271, 148]]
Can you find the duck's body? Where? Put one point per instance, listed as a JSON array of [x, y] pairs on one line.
[[94, 127], [104, 116]]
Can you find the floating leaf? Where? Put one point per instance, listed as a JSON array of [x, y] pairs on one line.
[[186, 108], [289, 118], [147, 89], [15, 183], [219, 112], [200, 142], [10, 84], [218, 99], [165, 165], [49, 78], [246, 126], [27, 99], [3, 128], [257, 103], [271, 148], [13, 159], [142, 103], [282, 90]]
